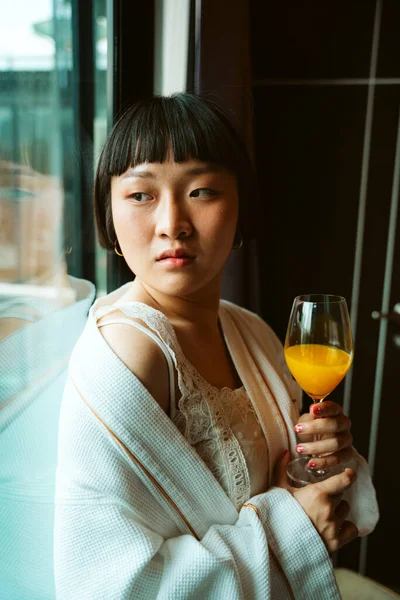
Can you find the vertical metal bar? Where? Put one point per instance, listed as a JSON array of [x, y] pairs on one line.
[[191, 47], [83, 103], [158, 46], [197, 47], [355, 293], [380, 361], [111, 61]]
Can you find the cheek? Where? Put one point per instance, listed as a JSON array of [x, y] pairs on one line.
[[221, 221], [131, 228], [134, 235]]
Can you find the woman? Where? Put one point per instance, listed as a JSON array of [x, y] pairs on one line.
[[179, 408]]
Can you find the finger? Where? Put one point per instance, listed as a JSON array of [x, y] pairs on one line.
[[337, 484], [327, 426], [327, 408], [330, 460], [348, 533], [328, 445], [280, 478], [342, 511], [306, 417]]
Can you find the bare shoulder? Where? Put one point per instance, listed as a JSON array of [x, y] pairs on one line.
[[141, 355]]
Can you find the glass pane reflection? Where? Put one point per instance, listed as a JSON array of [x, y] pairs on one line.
[[43, 308]]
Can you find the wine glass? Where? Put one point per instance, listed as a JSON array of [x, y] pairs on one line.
[[318, 352]]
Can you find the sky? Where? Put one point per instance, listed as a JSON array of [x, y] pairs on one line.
[[21, 48]]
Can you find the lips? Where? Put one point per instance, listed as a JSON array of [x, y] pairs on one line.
[[177, 253]]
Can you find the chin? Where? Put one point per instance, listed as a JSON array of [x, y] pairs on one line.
[[181, 284], [177, 288]]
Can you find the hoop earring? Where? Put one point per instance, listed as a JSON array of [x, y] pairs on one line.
[[116, 249], [237, 246]]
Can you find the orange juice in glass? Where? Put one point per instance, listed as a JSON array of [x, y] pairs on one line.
[[319, 353]]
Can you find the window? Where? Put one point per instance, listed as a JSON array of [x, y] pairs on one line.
[[45, 153]]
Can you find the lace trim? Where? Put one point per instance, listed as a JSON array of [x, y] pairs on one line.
[[204, 411], [205, 421]]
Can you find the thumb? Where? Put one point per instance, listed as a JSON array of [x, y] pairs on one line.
[[337, 484], [280, 477]]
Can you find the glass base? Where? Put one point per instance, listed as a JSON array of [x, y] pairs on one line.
[[299, 475]]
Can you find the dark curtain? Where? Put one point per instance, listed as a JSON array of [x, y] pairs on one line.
[[222, 72]]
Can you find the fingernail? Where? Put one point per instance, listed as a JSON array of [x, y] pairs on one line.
[[299, 428], [284, 453], [317, 410], [311, 465], [300, 449]]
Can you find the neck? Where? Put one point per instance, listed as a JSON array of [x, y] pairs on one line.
[[199, 311]]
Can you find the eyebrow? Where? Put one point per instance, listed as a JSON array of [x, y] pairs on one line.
[[144, 174]]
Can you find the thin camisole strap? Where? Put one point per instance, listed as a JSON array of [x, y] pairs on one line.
[[171, 369]]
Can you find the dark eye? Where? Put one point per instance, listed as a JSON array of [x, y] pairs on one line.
[[140, 196], [202, 193]]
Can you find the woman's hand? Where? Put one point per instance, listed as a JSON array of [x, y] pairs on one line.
[[327, 420], [323, 504]]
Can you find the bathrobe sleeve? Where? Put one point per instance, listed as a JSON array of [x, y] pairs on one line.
[[117, 537]]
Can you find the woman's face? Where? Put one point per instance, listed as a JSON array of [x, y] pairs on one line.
[[191, 207]]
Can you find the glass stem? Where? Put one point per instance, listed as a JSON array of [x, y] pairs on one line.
[[316, 438]]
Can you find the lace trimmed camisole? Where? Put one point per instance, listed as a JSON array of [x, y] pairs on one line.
[[219, 423]]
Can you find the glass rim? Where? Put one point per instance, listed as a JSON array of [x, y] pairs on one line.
[[300, 482], [323, 298]]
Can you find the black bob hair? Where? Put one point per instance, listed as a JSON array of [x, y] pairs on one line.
[[195, 128]]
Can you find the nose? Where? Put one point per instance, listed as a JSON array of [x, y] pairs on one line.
[[172, 218]]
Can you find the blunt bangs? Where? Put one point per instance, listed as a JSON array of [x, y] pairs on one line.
[[181, 124], [186, 126]]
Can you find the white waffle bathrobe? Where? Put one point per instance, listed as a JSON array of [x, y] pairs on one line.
[[139, 515]]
